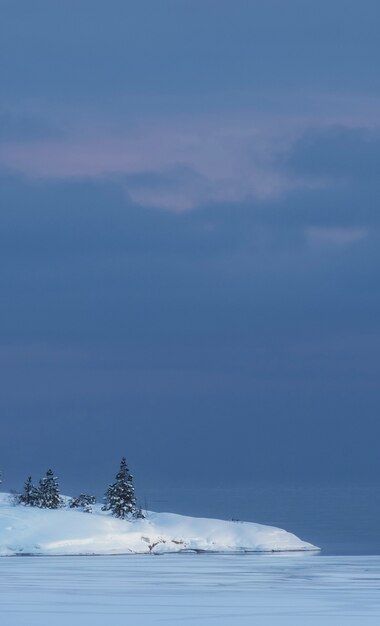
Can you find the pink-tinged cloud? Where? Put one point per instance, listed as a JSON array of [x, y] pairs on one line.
[[228, 163], [231, 158]]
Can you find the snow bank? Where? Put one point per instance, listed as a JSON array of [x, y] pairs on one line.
[[26, 530]]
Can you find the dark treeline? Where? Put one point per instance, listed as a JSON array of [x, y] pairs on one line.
[[119, 498]]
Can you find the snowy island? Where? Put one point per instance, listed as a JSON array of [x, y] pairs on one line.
[[33, 531], [40, 521]]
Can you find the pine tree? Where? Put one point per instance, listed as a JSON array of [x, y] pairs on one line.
[[48, 492], [120, 496], [30, 495], [138, 513]]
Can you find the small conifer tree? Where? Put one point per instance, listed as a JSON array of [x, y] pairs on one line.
[[84, 502], [120, 496], [30, 496], [48, 492], [138, 513]]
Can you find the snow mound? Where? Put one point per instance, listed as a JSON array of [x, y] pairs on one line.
[[33, 531]]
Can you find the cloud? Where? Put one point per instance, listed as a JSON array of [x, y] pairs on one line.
[[336, 236], [183, 164], [174, 164], [199, 110]]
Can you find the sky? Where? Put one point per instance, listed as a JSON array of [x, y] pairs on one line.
[[189, 241]]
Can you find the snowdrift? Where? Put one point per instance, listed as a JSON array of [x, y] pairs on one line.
[[31, 531]]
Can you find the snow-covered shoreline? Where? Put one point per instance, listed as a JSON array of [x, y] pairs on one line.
[[33, 531]]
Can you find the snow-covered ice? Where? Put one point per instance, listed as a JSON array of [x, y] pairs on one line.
[[193, 589], [33, 531]]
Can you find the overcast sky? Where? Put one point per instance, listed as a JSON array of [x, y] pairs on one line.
[[189, 240]]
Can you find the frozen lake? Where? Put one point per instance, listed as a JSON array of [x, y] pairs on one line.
[[268, 590]]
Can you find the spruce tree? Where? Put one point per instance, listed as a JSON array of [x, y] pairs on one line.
[[138, 513], [120, 496], [48, 492], [30, 495]]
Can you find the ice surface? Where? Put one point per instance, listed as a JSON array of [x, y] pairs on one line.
[[144, 590], [33, 531]]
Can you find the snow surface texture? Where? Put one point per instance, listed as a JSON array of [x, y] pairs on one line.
[[33, 531], [208, 589]]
